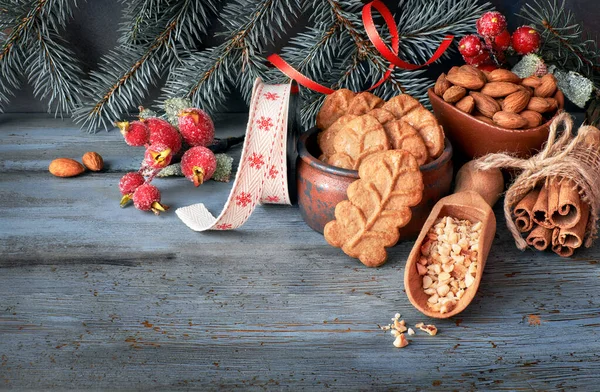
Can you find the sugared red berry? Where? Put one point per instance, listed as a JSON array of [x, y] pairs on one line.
[[198, 164], [525, 40], [470, 46], [480, 59], [136, 133], [147, 198], [163, 132], [487, 67], [196, 127], [491, 24], [128, 184], [501, 41], [158, 155]]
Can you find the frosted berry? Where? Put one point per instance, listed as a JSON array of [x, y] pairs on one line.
[[501, 41], [136, 133], [525, 40], [158, 155], [469, 46], [491, 24], [163, 132], [147, 198], [480, 59], [487, 67], [128, 184], [196, 127], [198, 164]]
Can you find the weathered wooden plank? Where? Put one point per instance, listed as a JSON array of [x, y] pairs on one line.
[[94, 296]]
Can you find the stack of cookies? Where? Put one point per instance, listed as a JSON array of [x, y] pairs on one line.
[[354, 126]]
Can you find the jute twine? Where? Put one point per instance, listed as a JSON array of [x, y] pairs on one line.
[[564, 156]]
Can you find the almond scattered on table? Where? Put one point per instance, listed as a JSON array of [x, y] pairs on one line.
[[398, 327]]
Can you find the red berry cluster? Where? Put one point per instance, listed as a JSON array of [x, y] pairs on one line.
[[162, 142], [490, 52]]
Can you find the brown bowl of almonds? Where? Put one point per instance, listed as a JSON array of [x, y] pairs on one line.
[[490, 112]]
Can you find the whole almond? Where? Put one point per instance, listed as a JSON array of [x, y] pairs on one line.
[[467, 104], [454, 94], [516, 102], [65, 167], [466, 79], [553, 103], [531, 81], [484, 119], [547, 87], [475, 71], [503, 75], [534, 119], [499, 89], [509, 120], [485, 104], [93, 161], [441, 85], [538, 104]]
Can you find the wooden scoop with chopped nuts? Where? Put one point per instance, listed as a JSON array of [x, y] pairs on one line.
[[443, 271]]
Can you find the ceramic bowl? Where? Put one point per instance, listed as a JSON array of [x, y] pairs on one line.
[[322, 186], [474, 138]]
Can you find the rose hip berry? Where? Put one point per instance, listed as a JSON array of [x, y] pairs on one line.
[[147, 198], [158, 155], [525, 40], [198, 164], [196, 127], [128, 184], [136, 133], [469, 46], [162, 132], [491, 24], [501, 41]]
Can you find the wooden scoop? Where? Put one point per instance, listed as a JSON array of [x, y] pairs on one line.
[[474, 194]]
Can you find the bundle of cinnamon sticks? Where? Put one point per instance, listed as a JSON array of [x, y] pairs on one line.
[[554, 216]]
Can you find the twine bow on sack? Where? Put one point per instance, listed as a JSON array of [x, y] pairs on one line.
[[565, 155]]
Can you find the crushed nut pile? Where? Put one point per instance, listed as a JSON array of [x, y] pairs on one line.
[[398, 327], [448, 261]]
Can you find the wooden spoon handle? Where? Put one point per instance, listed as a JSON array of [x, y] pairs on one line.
[[489, 183]]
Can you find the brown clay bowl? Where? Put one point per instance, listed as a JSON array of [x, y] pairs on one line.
[[322, 186], [474, 138]]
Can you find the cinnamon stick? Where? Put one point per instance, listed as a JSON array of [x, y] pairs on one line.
[[564, 205], [573, 237], [540, 208], [524, 211], [559, 249], [540, 238]]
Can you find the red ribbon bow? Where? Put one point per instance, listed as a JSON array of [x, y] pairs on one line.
[[380, 45]]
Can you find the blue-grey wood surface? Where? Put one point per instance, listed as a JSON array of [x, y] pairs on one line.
[[94, 296]]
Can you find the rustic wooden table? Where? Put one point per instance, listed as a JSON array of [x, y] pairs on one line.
[[94, 296]]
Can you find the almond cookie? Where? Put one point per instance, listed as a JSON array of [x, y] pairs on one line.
[[382, 115], [334, 107], [400, 105], [325, 139], [341, 159], [404, 137], [363, 103], [426, 124], [361, 137], [378, 205]]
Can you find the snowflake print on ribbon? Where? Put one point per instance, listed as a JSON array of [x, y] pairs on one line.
[[224, 226], [256, 160], [264, 123], [271, 96], [243, 199], [272, 199], [273, 172]]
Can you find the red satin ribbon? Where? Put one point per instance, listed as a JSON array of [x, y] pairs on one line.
[[380, 45]]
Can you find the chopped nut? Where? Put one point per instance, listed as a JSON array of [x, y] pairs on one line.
[[394, 332], [427, 281], [419, 325], [411, 331], [397, 316], [429, 328], [400, 341], [421, 269]]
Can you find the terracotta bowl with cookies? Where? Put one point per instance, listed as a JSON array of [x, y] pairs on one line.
[[493, 112], [348, 133]]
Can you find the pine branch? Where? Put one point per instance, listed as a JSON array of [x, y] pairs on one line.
[[250, 26], [127, 72], [564, 42]]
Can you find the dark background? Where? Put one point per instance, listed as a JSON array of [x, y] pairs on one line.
[[92, 32]]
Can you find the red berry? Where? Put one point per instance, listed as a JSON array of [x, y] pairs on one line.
[[469, 45], [198, 164], [491, 24], [487, 67], [479, 59], [136, 133], [158, 155], [128, 184], [196, 127], [525, 40], [163, 132], [147, 197], [501, 41]]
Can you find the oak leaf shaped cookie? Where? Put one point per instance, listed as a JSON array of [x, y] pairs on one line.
[[326, 138], [401, 104], [334, 107], [363, 103], [360, 138], [378, 206], [428, 127], [404, 137]]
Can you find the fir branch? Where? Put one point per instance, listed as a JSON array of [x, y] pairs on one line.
[[564, 42], [250, 26], [127, 72]]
